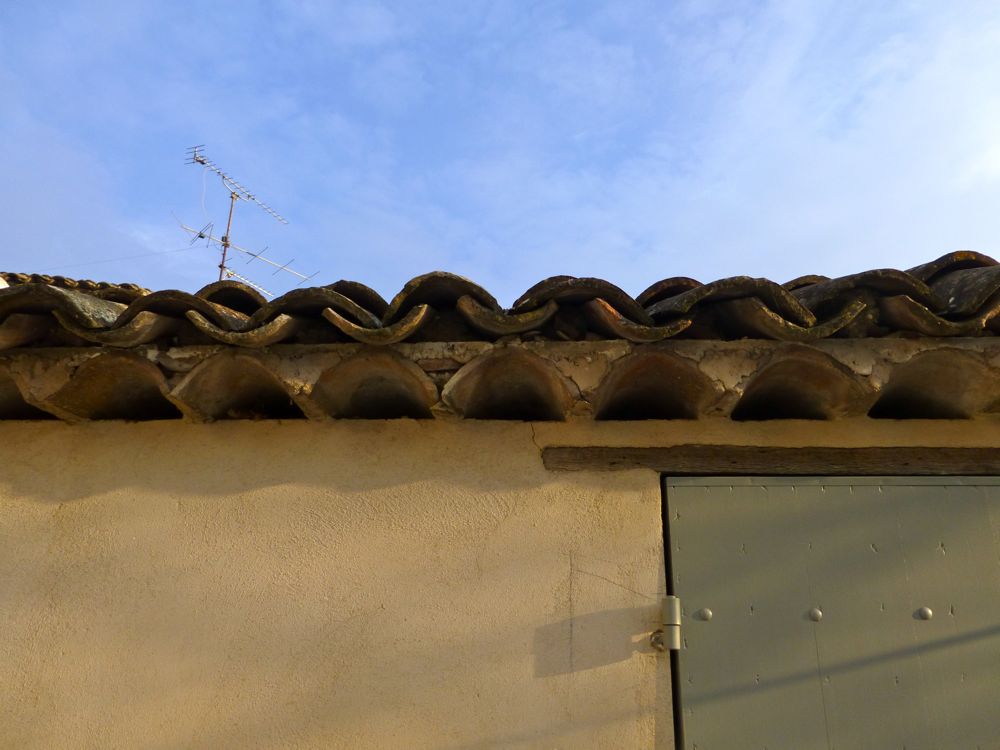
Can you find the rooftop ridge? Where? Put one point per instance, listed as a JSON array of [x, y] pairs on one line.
[[956, 295]]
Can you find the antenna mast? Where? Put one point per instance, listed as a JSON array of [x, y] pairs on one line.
[[237, 192]]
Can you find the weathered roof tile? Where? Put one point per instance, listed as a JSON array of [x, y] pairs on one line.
[[955, 295]]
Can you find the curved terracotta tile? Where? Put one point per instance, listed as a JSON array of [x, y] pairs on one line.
[[12, 402], [281, 328], [123, 293], [362, 295], [439, 290], [235, 295], [738, 287], [499, 323], [536, 289], [509, 384], [375, 384], [569, 290], [803, 383], [19, 329], [666, 288], [941, 384], [948, 262], [653, 384], [114, 385], [414, 320], [84, 309], [311, 302], [143, 328], [905, 314], [175, 304], [610, 322], [751, 318], [802, 281], [964, 292], [839, 291], [126, 294], [230, 385]]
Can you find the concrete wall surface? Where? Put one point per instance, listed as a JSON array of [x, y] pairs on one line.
[[338, 585]]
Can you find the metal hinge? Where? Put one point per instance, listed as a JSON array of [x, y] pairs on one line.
[[668, 638]]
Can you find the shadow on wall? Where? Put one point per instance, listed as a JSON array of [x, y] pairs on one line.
[[192, 460], [581, 642], [324, 624]]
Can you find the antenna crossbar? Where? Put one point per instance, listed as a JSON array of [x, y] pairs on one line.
[[206, 234]]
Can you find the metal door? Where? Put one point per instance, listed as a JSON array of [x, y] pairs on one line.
[[838, 613]]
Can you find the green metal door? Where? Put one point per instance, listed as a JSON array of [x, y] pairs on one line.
[[838, 613]]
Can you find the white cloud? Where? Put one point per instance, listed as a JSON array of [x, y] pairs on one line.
[[815, 162], [510, 143]]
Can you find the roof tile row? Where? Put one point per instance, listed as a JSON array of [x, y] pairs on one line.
[[955, 295], [536, 381]]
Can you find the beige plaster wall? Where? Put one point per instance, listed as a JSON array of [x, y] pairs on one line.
[[348, 584]]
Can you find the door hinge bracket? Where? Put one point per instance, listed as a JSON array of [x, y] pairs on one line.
[[668, 637]]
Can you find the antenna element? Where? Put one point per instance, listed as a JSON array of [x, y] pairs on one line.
[[237, 192]]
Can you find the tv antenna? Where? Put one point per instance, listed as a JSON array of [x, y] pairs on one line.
[[237, 192]]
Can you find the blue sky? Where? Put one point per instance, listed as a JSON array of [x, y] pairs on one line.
[[505, 141]]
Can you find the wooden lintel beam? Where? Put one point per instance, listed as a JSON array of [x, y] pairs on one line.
[[769, 460]]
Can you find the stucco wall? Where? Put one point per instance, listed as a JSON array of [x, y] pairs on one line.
[[295, 584]]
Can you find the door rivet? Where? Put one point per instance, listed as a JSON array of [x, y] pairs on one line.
[[815, 614], [703, 614], [925, 613]]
